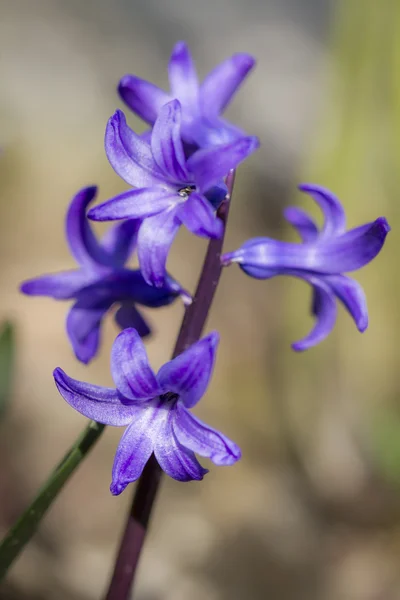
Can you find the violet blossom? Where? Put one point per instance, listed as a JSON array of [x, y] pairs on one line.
[[321, 259], [101, 280], [170, 188], [155, 410], [202, 104]]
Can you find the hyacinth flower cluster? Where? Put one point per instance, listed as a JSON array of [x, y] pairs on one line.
[[180, 172]]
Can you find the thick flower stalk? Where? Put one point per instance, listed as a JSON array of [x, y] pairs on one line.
[[101, 280], [170, 188], [320, 260], [202, 104], [155, 410]]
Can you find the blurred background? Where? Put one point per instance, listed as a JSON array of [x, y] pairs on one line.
[[312, 510]]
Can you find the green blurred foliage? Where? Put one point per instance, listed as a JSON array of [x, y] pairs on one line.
[[7, 355]]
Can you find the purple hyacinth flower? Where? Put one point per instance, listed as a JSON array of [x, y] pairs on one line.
[[202, 104], [320, 260], [101, 280], [154, 408], [170, 188]]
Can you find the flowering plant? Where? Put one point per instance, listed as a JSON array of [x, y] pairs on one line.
[[181, 172]]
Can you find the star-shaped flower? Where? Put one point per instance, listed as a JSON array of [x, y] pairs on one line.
[[154, 408], [101, 280], [320, 260], [202, 104], [171, 189]]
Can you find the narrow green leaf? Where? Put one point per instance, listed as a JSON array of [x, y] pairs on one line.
[[7, 352]]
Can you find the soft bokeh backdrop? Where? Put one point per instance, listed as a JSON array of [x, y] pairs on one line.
[[312, 510]]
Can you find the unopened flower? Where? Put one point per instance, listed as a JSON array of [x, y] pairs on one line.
[[101, 280], [202, 104], [170, 188], [154, 408], [320, 260]]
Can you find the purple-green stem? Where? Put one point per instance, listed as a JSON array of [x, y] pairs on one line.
[[146, 491]]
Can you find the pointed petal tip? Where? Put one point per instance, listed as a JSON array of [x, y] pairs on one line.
[[383, 226], [117, 487], [179, 48], [244, 61], [213, 339]]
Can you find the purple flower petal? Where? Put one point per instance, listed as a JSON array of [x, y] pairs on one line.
[[81, 239], [182, 76], [199, 217], [325, 312], [175, 460], [93, 401], [128, 316], [144, 98], [202, 439], [120, 241], [134, 204], [61, 286], [222, 83], [133, 452], [130, 368], [166, 143], [189, 373], [347, 252], [83, 325], [302, 222], [129, 155], [352, 295], [210, 165], [154, 241], [335, 218]]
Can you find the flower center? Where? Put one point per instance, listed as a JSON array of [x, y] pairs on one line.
[[169, 397], [186, 191]]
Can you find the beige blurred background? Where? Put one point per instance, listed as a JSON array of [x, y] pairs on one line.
[[312, 510]]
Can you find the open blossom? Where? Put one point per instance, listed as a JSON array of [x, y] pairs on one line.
[[155, 410], [320, 260], [101, 280], [202, 104], [170, 188]]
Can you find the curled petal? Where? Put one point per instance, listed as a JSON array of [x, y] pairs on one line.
[[334, 215], [82, 242], [166, 143], [130, 368], [325, 312], [134, 450], [83, 325], [222, 83], [199, 217], [154, 241], [302, 222], [129, 155], [134, 204], [120, 241], [176, 460], [182, 75], [352, 295], [204, 440], [128, 316], [60, 286], [210, 165], [93, 401], [143, 97], [189, 373]]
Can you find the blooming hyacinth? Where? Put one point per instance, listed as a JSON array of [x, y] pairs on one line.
[[101, 280], [170, 188], [320, 260], [155, 410], [202, 105]]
